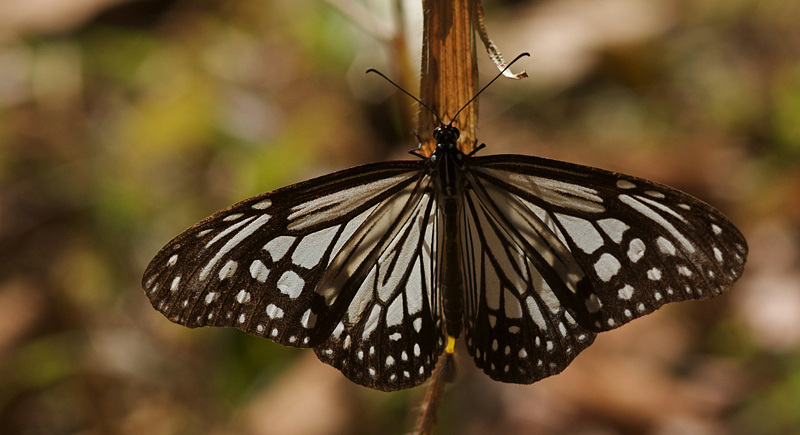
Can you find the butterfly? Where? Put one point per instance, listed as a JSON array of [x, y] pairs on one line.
[[379, 268]]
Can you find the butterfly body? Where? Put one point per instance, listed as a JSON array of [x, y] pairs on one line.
[[376, 266], [447, 165]]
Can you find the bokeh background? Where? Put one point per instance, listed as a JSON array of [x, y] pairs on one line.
[[123, 122]]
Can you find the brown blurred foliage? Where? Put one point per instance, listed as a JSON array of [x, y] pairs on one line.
[[123, 122]]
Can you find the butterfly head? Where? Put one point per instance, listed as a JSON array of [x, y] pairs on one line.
[[446, 136]]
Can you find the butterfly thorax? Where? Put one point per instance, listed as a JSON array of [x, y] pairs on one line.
[[446, 165]]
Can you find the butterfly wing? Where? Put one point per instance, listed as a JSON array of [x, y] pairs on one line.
[[604, 247], [286, 265], [516, 328], [392, 333]]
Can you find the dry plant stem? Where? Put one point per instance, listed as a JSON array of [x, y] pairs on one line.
[[444, 374], [402, 64], [449, 73]]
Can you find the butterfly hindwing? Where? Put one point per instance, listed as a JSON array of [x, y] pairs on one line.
[[516, 328], [637, 244], [391, 333]]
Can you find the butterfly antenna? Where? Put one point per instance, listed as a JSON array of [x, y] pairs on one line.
[[488, 84], [372, 70]]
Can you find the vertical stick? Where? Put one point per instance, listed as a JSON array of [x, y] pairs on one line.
[[449, 79], [449, 76]]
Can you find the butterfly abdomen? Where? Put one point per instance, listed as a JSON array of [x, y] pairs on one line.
[[451, 278], [447, 171]]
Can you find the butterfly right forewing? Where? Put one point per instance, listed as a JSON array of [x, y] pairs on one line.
[[636, 244]]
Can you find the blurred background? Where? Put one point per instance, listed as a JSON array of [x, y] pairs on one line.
[[123, 122]]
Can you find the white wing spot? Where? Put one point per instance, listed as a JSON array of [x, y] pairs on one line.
[[582, 232], [389, 361], [417, 350], [228, 270], [203, 233], [685, 271], [717, 230], [346, 343], [418, 324], [309, 319], [279, 246], [718, 254], [243, 297], [562, 329], [685, 206], [658, 296], [394, 314], [274, 332], [513, 329], [625, 184], [614, 228], [274, 312], [625, 293], [232, 217], [654, 274], [292, 339], [536, 313], [337, 332], [262, 205], [607, 266], [372, 372], [654, 194], [175, 283], [395, 336], [372, 321], [291, 284], [666, 246], [640, 308], [628, 313], [172, 260], [404, 356], [211, 297], [312, 247], [593, 304], [636, 250], [258, 271], [523, 353], [611, 322], [242, 318], [260, 328], [360, 354]]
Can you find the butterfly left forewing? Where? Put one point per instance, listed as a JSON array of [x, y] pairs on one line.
[[638, 244], [256, 265]]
